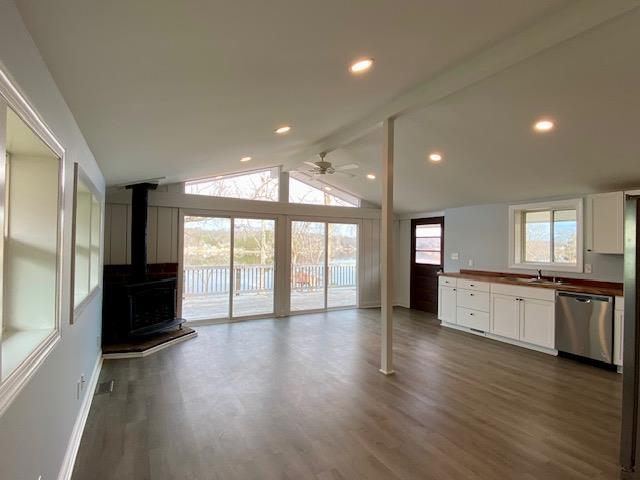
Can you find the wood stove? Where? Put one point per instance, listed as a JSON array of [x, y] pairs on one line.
[[137, 304]]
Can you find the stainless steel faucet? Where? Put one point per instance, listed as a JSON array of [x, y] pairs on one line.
[[539, 277]]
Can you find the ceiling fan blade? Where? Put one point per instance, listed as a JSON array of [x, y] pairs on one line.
[[345, 174], [311, 164], [349, 166]]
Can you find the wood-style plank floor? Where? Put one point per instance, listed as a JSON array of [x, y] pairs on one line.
[[302, 398]]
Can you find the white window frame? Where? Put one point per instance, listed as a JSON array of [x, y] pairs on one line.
[[80, 175], [516, 235], [335, 191], [211, 178], [10, 97]]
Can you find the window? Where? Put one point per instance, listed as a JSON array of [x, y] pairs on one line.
[[546, 235], [304, 189], [87, 238], [30, 186], [428, 244], [255, 185]]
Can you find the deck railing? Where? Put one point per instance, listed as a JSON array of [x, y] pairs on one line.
[[214, 279]]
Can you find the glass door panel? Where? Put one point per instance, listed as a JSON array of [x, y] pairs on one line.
[[207, 262], [343, 265], [253, 266], [307, 265]]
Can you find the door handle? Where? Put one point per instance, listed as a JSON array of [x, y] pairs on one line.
[[583, 300]]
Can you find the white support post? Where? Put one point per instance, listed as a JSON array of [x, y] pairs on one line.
[[386, 249]]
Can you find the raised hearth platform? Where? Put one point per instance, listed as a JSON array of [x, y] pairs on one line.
[[142, 347]]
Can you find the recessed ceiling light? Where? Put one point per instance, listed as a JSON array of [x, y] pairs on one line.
[[371, 176], [283, 129], [361, 65], [245, 159], [435, 157], [327, 189], [544, 125]]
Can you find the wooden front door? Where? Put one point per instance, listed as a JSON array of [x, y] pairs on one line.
[[427, 259]]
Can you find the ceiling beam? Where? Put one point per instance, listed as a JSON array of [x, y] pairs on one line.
[[563, 25]]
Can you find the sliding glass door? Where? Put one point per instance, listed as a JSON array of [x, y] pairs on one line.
[[342, 261], [253, 266], [228, 267], [207, 260], [323, 265]]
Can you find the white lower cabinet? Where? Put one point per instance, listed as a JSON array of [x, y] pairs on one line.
[[447, 305], [473, 319], [522, 314], [505, 316], [538, 322]]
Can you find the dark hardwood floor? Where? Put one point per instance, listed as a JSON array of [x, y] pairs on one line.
[[302, 398]]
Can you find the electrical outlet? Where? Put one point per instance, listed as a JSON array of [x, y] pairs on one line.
[[83, 382], [470, 262], [588, 268]]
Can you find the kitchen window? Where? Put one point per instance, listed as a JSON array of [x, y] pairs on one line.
[[546, 235]]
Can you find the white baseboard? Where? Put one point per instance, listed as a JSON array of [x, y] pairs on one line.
[[78, 428], [118, 356]]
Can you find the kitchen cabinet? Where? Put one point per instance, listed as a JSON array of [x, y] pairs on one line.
[[474, 319], [605, 223], [529, 320], [537, 322], [618, 331], [447, 304], [505, 316]]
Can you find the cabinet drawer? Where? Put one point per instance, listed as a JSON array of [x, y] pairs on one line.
[[473, 300], [473, 319], [447, 281], [473, 285]]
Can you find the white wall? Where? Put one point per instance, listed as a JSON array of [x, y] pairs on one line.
[[480, 233], [35, 429]]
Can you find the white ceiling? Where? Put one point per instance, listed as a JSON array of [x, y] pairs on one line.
[[589, 85], [185, 88]]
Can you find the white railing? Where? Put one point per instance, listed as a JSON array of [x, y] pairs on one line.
[[214, 279]]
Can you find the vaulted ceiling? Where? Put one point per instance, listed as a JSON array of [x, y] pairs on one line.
[[185, 89]]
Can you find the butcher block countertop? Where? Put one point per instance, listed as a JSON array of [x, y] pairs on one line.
[[564, 284]]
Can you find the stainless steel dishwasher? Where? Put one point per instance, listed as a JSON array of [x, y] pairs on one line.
[[584, 325]]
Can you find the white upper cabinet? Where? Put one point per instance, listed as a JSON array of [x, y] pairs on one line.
[[605, 223]]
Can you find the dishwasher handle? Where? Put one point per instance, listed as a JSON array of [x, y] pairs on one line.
[[582, 298]]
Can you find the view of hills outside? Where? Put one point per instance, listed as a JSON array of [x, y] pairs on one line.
[[538, 237]]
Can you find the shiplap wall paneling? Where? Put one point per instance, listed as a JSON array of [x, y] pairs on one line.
[[167, 235], [119, 234], [370, 263], [107, 234], [152, 234]]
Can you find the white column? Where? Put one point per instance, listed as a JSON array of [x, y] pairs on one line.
[[386, 250]]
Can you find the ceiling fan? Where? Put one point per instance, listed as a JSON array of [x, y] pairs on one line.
[[323, 167]]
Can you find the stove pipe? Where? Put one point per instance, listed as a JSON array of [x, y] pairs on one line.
[[139, 204]]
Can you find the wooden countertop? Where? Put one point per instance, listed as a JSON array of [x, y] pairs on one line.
[[565, 284]]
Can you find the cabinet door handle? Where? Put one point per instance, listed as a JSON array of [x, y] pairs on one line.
[[471, 285], [471, 314], [471, 294]]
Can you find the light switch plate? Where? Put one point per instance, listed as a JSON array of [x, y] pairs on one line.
[[470, 262], [587, 268]]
